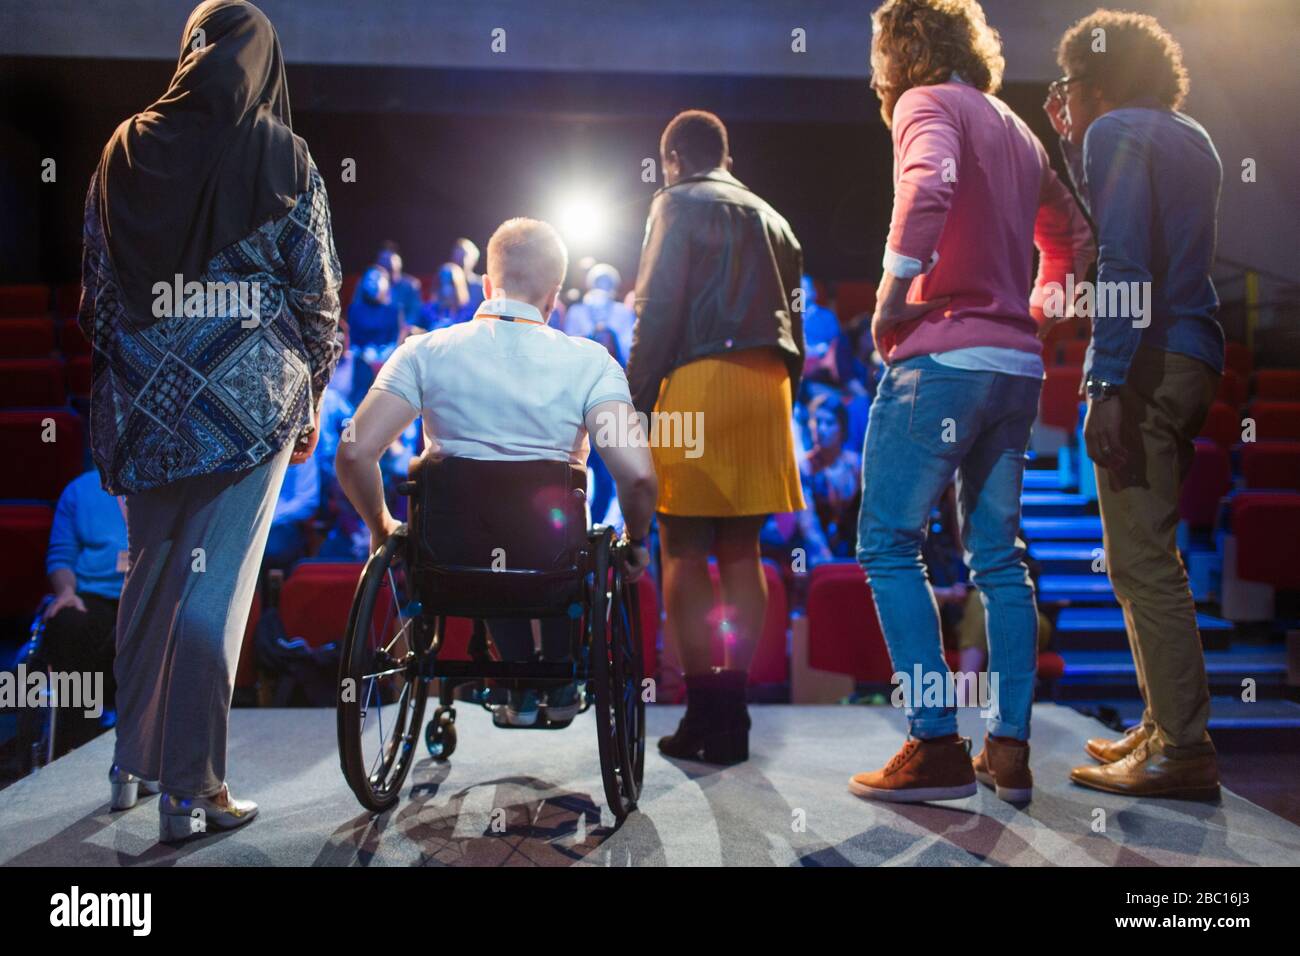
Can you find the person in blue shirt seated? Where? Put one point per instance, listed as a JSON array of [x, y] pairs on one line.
[[450, 301], [832, 474], [86, 561], [374, 319], [601, 314], [405, 289], [298, 503], [465, 255], [821, 330], [1150, 177]]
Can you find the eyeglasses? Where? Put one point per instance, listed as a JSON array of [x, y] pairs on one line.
[[1061, 87]]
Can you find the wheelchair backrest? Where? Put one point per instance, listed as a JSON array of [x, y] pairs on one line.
[[470, 520]]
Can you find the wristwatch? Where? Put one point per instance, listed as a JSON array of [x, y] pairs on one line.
[[1099, 389]]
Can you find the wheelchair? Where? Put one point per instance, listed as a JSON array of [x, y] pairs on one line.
[[36, 726], [487, 539]]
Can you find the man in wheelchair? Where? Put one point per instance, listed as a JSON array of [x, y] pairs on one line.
[[508, 387]]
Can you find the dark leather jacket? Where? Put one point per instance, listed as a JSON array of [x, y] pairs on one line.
[[718, 269]]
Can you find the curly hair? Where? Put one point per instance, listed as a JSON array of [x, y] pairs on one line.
[[1132, 56], [921, 42]]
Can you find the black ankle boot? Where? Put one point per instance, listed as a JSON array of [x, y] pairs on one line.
[[715, 728], [687, 742], [730, 743]]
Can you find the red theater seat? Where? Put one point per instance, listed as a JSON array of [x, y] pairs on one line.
[[1059, 406], [1070, 330], [1209, 479], [36, 468], [1276, 421], [648, 601], [771, 663], [1278, 384], [1072, 352], [316, 598], [25, 530], [455, 643], [1239, 358], [77, 375], [246, 672], [27, 338], [31, 383], [67, 299], [24, 300], [71, 341], [1222, 425], [854, 298], [1051, 666], [1231, 389], [1267, 528], [844, 634], [1271, 464]]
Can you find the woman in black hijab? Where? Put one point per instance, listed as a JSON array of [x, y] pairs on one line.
[[210, 293]]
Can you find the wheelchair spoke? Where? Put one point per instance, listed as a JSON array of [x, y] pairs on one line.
[[398, 636], [388, 748]]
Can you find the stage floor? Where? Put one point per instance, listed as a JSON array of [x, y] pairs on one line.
[[788, 805]]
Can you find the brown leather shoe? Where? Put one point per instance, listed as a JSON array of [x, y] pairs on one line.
[[922, 770], [1004, 766], [1108, 751], [1147, 772]]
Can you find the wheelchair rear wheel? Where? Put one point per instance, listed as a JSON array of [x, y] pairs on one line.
[[382, 686], [616, 674], [629, 666]]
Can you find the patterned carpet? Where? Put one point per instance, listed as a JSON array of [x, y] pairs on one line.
[[787, 806]]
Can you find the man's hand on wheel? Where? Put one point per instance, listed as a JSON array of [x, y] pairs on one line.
[[637, 558]]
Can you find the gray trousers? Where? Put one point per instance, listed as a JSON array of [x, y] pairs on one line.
[[196, 546]]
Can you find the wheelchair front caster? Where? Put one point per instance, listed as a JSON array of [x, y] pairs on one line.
[[440, 735]]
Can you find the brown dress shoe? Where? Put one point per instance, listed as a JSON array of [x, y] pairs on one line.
[[1108, 751], [1147, 772], [922, 770], [1004, 766]]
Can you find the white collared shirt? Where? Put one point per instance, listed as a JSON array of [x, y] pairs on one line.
[[509, 309], [500, 390]]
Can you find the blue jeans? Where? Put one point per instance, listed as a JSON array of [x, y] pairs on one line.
[[928, 422]]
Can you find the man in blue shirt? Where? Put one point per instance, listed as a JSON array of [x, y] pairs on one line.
[[86, 562], [1150, 177]]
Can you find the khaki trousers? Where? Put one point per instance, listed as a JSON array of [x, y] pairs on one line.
[[1165, 402]]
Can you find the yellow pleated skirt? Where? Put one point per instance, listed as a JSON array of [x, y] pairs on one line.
[[739, 459]]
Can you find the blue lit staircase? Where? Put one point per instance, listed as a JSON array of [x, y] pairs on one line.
[[1063, 532]]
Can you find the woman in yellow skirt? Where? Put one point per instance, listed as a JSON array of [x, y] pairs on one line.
[[716, 357]]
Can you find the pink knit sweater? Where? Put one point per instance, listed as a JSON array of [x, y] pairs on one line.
[[972, 182]]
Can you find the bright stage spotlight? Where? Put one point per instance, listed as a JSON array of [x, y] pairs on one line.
[[581, 219]]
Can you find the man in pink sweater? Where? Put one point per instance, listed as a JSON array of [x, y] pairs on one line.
[[958, 318]]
